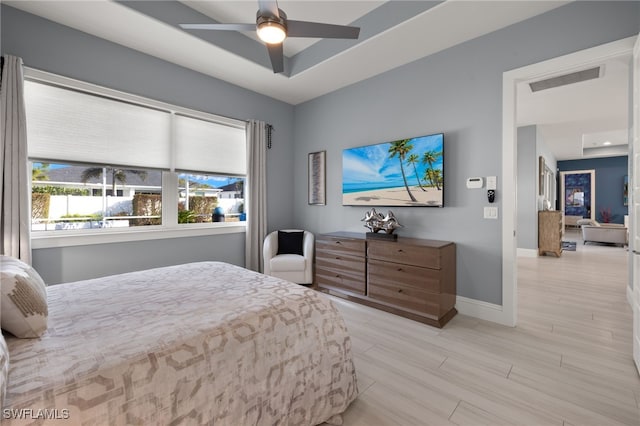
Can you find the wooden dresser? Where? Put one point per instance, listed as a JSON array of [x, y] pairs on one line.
[[412, 277], [550, 232]]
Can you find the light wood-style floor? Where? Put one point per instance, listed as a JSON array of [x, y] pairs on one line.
[[568, 362]]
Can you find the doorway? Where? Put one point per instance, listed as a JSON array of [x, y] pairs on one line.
[[511, 79]]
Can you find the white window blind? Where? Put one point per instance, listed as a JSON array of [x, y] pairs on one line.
[[210, 147], [71, 126]]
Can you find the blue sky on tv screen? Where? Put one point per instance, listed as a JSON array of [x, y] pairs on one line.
[[371, 167]]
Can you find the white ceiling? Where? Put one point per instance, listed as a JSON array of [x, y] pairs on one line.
[[585, 119], [244, 11], [444, 25], [328, 65]]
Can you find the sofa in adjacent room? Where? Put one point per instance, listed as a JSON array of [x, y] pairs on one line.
[[603, 233]]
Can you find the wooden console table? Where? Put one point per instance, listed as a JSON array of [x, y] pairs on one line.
[[550, 232], [411, 277]]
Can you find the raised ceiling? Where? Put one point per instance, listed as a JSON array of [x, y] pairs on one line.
[[393, 33]]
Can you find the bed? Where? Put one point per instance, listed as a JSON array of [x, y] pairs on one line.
[[200, 343]]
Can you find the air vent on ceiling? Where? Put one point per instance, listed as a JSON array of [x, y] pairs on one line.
[[563, 80]]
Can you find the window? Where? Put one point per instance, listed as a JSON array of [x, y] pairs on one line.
[[206, 198], [104, 159], [65, 196]]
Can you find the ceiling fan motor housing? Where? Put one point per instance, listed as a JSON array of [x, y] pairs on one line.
[[267, 20]]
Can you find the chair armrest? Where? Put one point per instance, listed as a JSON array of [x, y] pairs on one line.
[[308, 245], [269, 250]]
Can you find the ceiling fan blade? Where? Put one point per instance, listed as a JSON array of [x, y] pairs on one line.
[[225, 27], [316, 29], [268, 7], [277, 57]]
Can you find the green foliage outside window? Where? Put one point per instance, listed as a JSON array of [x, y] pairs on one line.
[[57, 190], [40, 205], [147, 205], [186, 216]]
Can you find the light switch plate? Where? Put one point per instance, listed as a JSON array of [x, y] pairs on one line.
[[490, 212]]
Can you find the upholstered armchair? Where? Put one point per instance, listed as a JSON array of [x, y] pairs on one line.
[[288, 254]]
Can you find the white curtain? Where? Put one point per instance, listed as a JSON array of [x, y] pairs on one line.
[[256, 193], [15, 217]]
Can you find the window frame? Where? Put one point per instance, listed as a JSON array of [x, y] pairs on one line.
[[170, 228]]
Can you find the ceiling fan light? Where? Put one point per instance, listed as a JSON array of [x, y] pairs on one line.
[[271, 32]]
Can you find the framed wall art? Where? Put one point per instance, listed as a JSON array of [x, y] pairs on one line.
[[317, 178], [578, 193]]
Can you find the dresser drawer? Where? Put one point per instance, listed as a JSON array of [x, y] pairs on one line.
[[341, 262], [427, 257], [386, 273], [352, 280], [352, 247], [405, 297]]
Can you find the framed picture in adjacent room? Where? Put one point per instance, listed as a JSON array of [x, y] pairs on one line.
[[317, 178]]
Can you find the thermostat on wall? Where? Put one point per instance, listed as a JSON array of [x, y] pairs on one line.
[[475, 182]]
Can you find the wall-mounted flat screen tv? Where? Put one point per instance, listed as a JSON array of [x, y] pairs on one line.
[[406, 172]]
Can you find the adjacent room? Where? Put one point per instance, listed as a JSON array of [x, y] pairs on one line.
[[320, 212]]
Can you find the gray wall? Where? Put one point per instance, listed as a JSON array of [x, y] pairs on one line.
[[458, 92], [74, 263], [55, 48], [527, 195], [531, 146]]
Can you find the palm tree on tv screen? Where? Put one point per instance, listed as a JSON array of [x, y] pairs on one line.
[[429, 158], [400, 149], [414, 159], [435, 177]]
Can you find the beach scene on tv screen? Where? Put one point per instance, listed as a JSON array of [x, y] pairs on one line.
[[406, 172]]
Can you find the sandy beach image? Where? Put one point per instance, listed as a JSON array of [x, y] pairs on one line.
[[406, 172], [397, 196]]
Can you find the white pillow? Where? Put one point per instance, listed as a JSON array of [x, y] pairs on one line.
[[23, 298], [4, 368]]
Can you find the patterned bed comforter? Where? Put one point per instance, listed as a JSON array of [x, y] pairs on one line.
[[201, 343]]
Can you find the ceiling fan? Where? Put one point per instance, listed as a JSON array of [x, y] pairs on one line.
[[273, 27]]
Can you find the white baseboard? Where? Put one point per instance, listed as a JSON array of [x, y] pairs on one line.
[[481, 310], [527, 252], [630, 296]]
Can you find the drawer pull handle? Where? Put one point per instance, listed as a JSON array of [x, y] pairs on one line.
[[337, 275], [338, 242], [400, 291], [338, 257], [400, 251], [399, 269]]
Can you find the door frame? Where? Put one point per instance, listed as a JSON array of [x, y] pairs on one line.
[[634, 213], [510, 80]]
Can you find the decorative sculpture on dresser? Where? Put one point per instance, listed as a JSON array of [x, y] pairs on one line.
[[376, 222]]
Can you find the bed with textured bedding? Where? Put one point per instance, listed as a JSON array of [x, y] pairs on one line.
[[201, 343]]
